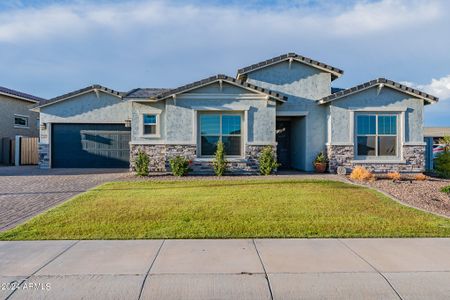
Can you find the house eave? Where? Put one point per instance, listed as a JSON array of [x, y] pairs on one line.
[[18, 97], [221, 78], [335, 72], [380, 83], [94, 88]]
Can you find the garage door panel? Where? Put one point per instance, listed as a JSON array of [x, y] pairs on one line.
[[90, 146]]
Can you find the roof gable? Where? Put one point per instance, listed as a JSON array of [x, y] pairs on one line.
[[20, 95], [220, 78], [93, 88], [290, 57], [380, 82]]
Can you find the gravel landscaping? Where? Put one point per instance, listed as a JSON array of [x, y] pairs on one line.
[[426, 195]]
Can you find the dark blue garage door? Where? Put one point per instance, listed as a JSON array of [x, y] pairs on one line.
[[90, 146]]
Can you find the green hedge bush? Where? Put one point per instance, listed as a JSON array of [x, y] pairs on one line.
[[141, 163], [267, 161], [179, 166]]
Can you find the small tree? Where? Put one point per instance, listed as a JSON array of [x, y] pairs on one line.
[[141, 163], [442, 162], [442, 165], [179, 166], [267, 161], [219, 163]]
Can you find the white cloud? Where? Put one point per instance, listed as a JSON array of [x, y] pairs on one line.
[[437, 87], [50, 49], [388, 15], [79, 18]]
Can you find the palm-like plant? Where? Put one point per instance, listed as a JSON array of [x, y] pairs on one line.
[[445, 142]]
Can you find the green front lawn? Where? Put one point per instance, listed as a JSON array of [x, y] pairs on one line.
[[229, 209]]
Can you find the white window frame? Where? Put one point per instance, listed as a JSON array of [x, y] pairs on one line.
[[157, 124], [22, 116], [220, 113], [376, 135]]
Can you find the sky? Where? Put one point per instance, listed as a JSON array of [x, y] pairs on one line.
[[50, 47]]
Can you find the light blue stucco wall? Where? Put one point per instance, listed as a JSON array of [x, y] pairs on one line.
[[179, 118], [303, 85], [138, 109], [85, 108], [387, 99]]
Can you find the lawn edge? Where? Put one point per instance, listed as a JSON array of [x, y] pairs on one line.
[[308, 180]]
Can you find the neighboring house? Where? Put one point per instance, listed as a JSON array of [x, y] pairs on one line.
[[433, 135], [286, 102], [16, 119]]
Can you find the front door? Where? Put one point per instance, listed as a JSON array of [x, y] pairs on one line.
[[283, 134]]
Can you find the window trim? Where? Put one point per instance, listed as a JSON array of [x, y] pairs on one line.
[[22, 116], [220, 113], [377, 135], [157, 124]]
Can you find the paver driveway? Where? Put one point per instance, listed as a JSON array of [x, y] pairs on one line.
[[27, 191]]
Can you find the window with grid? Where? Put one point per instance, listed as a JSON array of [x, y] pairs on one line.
[[225, 127], [150, 125], [376, 135]]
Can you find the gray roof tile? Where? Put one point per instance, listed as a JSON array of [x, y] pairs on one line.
[[25, 96], [375, 82], [145, 92], [80, 91], [335, 71], [211, 79]]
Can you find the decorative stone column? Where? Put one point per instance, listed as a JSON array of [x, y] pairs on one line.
[[44, 156]]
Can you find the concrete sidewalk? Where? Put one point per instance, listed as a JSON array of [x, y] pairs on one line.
[[227, 269]]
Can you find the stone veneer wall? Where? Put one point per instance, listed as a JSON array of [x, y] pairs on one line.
[[413, 155], [44, 156], [160, 155]]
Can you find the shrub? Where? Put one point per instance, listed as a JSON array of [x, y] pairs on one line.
[[267, 161], [420, 177], [179, 166], [442, 165], [394, 176], [446, 189], [219, 163], [361, 174], [141, 163]]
